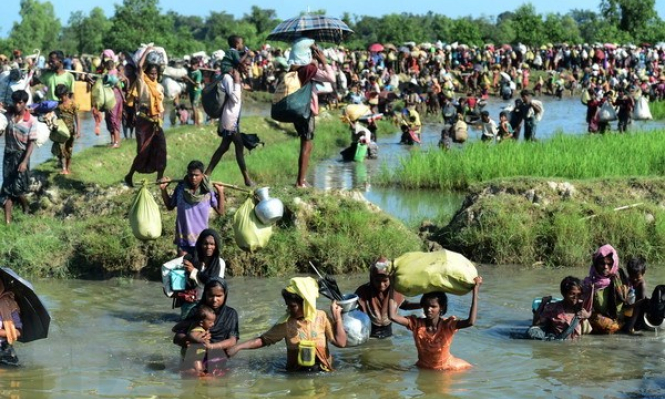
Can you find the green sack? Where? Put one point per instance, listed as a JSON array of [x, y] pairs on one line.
[[295, 107], [420, 272], [60, 132], [249, 232], [144, 215], [103, 97], [97, 94], [361, 152]]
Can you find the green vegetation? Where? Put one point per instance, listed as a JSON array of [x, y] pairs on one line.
[[531, 221], [138, 21], [564, 156], [80, 227], [657, 109]]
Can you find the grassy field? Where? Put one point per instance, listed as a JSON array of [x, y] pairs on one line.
[[79, 225], [564, 156], [531, 221]]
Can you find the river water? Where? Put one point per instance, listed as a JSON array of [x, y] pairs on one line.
[[111, 339]]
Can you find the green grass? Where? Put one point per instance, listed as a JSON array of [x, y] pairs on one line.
[[564, 156], [80, 229], [527, 222], [657, 110]]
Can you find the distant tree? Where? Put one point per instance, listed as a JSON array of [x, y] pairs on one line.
[[136, 22], [39, 28], [465, 30], [561, 28], [85, 34], [528, 25], [263, 20], [630, 16]]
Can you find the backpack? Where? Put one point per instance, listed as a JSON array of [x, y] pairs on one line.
[[655, 312], [213, 98]]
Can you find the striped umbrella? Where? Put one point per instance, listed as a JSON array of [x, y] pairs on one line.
[[317, 27]]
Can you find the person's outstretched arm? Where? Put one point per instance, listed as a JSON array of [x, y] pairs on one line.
[[255, 343], [474, 306], [392, 311]]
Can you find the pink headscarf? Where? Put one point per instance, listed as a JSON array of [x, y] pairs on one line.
[[596, 280], [108, 54]]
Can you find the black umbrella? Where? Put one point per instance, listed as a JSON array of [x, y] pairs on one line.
[[409, 87], [34, 316], [317, 27]]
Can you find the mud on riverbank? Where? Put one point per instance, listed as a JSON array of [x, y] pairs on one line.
[[553, 222]]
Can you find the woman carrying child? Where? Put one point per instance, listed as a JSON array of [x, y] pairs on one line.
[[224, 332], [306, 330], [67, 111], [433, 334]]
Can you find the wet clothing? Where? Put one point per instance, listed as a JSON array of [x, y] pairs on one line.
[[10, 319], [434, 347], [377, 305], [607, 303], [295, 330], [554, 320]]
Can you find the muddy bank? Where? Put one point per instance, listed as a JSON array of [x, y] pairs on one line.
[[529, 221]]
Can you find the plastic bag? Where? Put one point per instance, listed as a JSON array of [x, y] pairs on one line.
[[461, 131], [167, 268], [607, 113], [642, 111], [250, 233], [144, 215], [420, 272], [60, 132], [43, 133]]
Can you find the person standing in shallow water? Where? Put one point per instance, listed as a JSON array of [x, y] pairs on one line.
[[150, 139], [20, 137]]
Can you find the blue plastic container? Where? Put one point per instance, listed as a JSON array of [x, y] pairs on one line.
[[178, 279]]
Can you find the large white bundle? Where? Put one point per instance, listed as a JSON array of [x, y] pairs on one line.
[[218, 55], [642, 111], [172, 89], [175, 73], [607, 113], [3, 123], [163, 59]]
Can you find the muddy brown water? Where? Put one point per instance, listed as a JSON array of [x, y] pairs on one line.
[[111, 339]]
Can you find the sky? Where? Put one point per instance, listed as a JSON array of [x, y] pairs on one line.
[[291, 8]]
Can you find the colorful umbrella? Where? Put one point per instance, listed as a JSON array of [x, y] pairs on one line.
[[376, 47], [34, 316], [317, 27]]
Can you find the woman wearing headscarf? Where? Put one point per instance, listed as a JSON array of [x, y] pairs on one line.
[[149, 104], [10, 325], [224, 332], [306, 330], [200, 268], [374, 299], [604, 291], [113, 117]]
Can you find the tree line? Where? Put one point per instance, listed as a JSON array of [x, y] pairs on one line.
[[141, 21]]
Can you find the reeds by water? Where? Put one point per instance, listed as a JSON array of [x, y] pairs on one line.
[[564, 156]]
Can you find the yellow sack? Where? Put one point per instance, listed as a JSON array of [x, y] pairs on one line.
[[249, 232], [144, 215], [288, 85], [420, 272]]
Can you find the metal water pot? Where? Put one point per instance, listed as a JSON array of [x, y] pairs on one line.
[[356, 323], [269, 210]]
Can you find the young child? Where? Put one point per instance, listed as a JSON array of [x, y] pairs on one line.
[[505, 129], [199, 335], [183, 114], [433, 334], [489, 127], [67, 111], [10, 326], [634, 312], [563, 319]]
